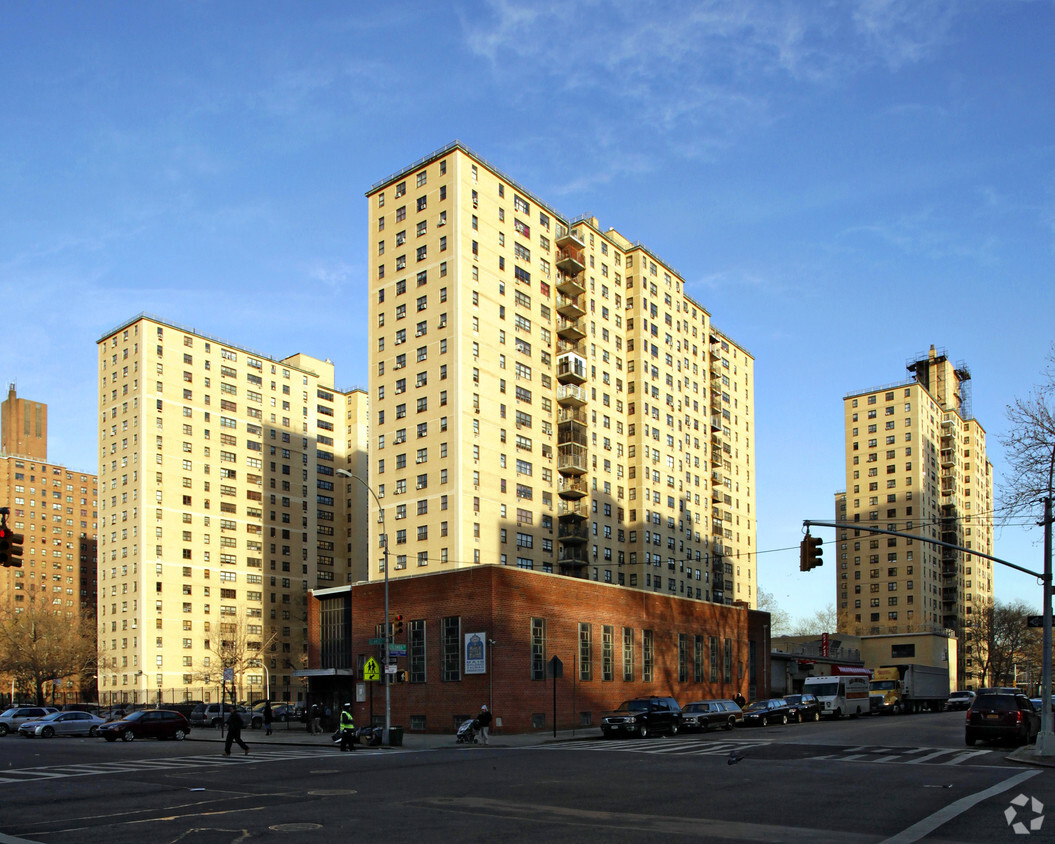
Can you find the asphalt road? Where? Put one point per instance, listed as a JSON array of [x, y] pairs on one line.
[[906, 779]]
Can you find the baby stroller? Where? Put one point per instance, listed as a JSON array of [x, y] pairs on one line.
[[467, 732]]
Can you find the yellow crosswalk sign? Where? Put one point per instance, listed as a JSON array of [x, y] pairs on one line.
[[371, 670]]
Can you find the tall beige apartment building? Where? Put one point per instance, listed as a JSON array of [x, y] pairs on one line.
[[219, 509], [55, 510], [916, 463], [545, 394]]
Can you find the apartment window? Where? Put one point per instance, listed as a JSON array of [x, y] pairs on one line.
[[585, 651], [647, 656], [538, 649], [450, 644]]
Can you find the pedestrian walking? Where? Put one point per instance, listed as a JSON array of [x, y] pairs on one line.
[[484, 719], [234, 734], [268, 716], [316, 719], [347, 727]]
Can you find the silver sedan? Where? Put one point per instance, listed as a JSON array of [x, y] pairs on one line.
[[62, 724]]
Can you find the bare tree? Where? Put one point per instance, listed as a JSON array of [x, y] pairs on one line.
[[235, 648], [779, 618], [1002, 644], [822, 621], [1030, 448], [39, 645]]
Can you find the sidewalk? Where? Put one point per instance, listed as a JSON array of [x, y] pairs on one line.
[[297, 735]]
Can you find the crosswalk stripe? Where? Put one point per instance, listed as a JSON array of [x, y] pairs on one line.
[[28, 775]]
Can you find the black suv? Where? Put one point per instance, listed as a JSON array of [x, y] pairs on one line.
[[642, 716], [994, 716], [803, 707]]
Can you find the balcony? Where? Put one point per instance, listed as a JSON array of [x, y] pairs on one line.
[[573, 533], [570, 260], [571, 414], [570, 395], [947, 458], [716, 423], [716, 493], [574, 511], [572, 489], [572, 559], [572, 459], [568, 239], [571, 369], [571, 433], [568, 306], [564, 347], [716, 457], [570, 329], [716, 478], [571, 285]]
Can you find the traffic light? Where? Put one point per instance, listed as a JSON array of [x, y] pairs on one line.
[[5, 546], [397, 625], [401, 676], [810, 553], [15, 554]]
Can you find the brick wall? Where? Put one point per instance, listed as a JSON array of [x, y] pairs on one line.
[[500, 602]]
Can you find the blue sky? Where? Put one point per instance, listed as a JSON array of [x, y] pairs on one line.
[[797, 162]]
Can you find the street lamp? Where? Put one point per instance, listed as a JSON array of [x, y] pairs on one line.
[[384, 536]]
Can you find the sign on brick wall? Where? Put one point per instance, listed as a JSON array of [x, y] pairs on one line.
[[475, 653]]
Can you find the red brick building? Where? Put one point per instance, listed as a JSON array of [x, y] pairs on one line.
[[486, 635]]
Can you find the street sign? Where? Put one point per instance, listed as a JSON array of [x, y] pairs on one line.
[[376, 641], [555, 668], [397, 650], [390, 669], [371, 671], [1034, 621]]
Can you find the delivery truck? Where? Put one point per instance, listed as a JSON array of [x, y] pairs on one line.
[[839, 695], [909, 688]]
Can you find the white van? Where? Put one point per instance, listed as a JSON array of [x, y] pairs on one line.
[[840, 695]]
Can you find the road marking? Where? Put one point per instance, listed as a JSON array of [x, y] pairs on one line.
[[29, 775], [967, 754], [958, 807], [934, 754]]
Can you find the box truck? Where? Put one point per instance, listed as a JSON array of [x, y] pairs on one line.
[[909, 688], [839, 695]]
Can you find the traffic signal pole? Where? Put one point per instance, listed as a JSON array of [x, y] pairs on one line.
[[1046, 739]]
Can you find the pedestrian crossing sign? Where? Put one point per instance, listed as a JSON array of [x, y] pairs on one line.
[[371, 670]]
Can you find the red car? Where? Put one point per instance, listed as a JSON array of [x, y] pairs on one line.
[[147, 723]]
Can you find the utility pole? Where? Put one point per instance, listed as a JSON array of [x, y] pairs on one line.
[[1046, 739]]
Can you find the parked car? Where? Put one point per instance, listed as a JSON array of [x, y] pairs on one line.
[[280, 711], [960, 700], [762, 713], [11, 719], [71, 723], [804, 707], [708, 714], [993, 717], [147, 723], [208, 715], [642, 716]]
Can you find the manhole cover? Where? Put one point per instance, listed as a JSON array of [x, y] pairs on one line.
[[295, 827], [332, 792]]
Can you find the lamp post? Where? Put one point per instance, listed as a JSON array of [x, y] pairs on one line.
[[384, 535]]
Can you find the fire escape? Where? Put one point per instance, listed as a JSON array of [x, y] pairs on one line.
[[572, 433], [718, 442], [950, 523]]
